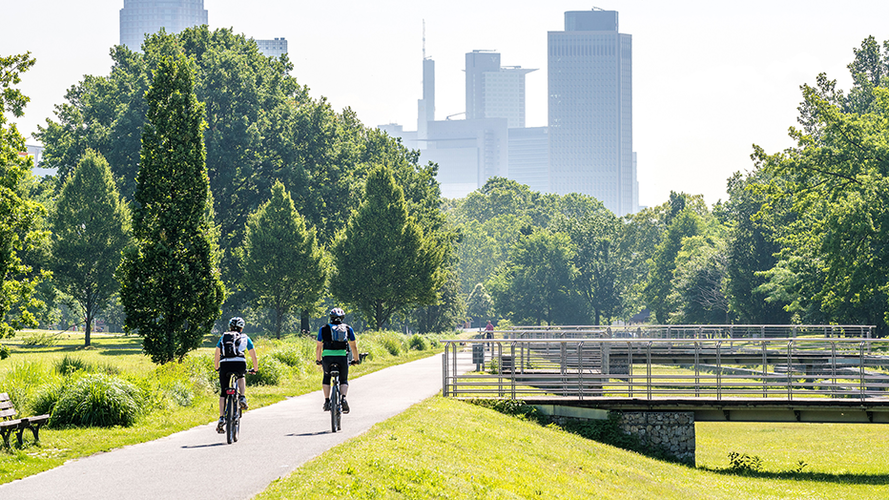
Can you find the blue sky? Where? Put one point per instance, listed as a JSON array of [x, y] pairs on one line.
[[710, 78]]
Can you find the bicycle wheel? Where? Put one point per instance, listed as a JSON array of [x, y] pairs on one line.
[[334, 405], [231, 405], [237, 424]]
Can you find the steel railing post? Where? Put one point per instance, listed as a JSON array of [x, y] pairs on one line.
[[790, 370], [861, 372], [512, 377], [697, 369], [629, 368], [765, 369], [444, 370], [718, 370], [648, 368]]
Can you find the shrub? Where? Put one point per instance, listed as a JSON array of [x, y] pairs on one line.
[[746, 464], [71, 364], [270, 372], [392, 342], [294, 354], [418, 343], [98, 400], [46, 396]]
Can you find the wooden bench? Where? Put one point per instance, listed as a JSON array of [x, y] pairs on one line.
[[9, 424]]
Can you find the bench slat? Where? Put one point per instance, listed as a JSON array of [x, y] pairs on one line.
[[7, 413]]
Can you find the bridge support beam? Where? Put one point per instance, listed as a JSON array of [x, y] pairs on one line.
[[672, 432]]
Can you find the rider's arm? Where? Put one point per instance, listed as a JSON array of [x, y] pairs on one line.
[[253, 357], [216, 356], [354, 346], [319, 348]]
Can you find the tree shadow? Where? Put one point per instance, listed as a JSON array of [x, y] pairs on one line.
[[815, 477]]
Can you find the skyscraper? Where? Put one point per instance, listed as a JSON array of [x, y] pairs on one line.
[[141, 17], [272, 48], [591, 110], [494, 91]]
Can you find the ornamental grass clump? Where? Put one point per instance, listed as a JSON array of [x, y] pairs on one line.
[[98, 400]]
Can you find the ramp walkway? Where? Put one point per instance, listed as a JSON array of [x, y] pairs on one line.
[[274, 441]]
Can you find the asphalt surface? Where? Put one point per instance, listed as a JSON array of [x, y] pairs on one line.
[[198, 464]]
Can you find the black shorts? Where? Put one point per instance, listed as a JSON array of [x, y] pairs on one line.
[[326, 361], [227, 367]]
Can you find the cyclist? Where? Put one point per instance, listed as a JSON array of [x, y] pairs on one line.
[[236, 363], [334, 341]]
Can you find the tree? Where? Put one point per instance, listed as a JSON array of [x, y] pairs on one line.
[[170, 284], [90, 229], [753, 221], [600, 278], [536, 284], [282, 261], [383, 262], [444, 315], [661, 266], [479, 305], [19, 216]]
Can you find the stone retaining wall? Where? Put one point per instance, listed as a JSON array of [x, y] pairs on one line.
[[673, 432]]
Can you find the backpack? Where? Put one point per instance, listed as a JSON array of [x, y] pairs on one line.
[[230, 343], [339, 333]]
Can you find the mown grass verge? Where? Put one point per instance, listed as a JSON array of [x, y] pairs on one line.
[[171, 397], [443, 448]]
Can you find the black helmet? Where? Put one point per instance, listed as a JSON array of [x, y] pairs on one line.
[[337, 315], [236, 322]]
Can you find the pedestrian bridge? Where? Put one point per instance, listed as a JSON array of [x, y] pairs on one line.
[[765, 373]]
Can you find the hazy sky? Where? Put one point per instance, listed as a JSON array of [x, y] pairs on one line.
[[710, 78]]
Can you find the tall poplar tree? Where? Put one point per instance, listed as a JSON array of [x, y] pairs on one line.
[[282, 261], [383, 263], [90, 229], [170, 284]]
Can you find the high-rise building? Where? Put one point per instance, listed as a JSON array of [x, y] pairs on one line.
[[142, 17], [272, 48], [590, 77], [494, 91], [529, 157]]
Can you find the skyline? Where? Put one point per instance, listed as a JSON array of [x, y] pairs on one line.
[[709, 80]]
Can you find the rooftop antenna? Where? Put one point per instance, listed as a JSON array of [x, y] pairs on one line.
[[424, 39]]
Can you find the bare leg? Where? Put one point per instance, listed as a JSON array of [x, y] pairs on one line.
[[326, 390], [344, 388]]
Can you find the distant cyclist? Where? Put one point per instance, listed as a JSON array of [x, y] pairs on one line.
[[335, 339], [229, 358]]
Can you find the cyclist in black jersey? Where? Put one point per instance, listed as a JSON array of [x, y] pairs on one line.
[[335, 340]]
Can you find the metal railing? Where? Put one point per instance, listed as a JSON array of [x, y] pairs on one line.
[[772, 368], [690, 331]]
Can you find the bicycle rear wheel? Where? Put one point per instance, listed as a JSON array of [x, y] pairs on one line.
[[334, 405], [231, 404]]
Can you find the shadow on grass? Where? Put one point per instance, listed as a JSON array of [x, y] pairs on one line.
[[815, 477]]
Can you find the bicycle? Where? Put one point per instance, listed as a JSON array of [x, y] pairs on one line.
[[232, 412], [336, 396]]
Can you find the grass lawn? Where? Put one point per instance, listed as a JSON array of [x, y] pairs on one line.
[[443, 448], [29, 364]]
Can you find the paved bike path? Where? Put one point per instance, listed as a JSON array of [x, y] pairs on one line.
[[198, 464]]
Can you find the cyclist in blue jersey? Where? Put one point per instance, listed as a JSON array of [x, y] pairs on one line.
[[229, 358], [335, 339]]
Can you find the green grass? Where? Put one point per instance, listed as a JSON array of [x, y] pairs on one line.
[[444, 448], [33, 365]]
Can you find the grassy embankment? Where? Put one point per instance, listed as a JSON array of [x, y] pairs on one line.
[[177, 396], [444, 448]]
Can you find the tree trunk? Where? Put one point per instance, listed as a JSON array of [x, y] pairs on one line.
[[304, 320]]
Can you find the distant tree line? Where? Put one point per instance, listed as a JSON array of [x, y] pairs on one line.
[[199, 180]]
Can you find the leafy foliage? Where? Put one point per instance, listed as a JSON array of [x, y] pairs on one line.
[[282, 260], [90, 229], [383, 261], [98, 400], [19, 216], [170, 285]]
